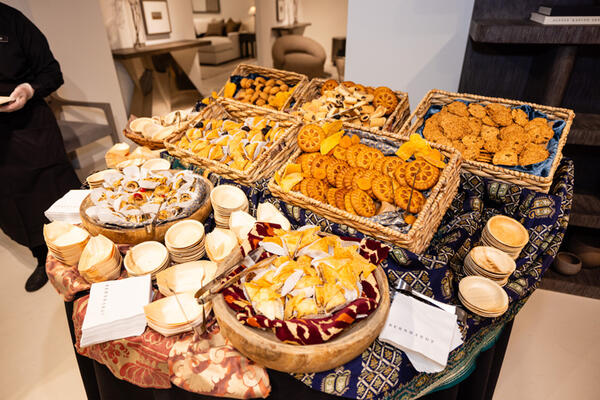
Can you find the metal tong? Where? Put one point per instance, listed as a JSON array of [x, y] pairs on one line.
[[406, 289]]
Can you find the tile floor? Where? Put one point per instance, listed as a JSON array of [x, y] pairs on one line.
[[553, 351]]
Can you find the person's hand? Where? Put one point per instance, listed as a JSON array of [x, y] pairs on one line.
[[20, 95]]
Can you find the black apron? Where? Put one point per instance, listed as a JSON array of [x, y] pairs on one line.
[[34, 171]]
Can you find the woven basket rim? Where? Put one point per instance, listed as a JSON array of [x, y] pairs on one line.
[[283, 141], [300, 79], [410, 127], [451, 171], [305, 97]]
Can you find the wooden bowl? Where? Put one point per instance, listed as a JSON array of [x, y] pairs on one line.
[[265, 349], [139, 235]]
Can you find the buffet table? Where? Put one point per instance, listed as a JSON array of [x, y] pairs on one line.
[[154, 366]]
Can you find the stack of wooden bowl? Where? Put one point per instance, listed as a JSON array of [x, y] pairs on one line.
[[96, 180], [225, 200], [157, 164], [185, 241], [506, 234], [222, 247], [489, 262], [100, 260], [186, 277], [65, 241], [482, 296], [146, 258], [174, 315]]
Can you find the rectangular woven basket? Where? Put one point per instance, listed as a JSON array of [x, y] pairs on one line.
[[487, 170], [421, 232], [393, 124], [263, 167], [290, 78]]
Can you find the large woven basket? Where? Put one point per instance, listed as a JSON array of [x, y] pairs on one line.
[[299, 81], [263, 167], [420, 234], [140, 140], [393, 124], [487, 170]]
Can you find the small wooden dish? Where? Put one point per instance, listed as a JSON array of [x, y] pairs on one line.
[[264, 348]]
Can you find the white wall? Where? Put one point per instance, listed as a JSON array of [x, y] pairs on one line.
[[328, 19], [265, 20], [410, 45], [234, 9]]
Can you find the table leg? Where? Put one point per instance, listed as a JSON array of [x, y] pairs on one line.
[[560, 73], [188, 61], [141, 101]]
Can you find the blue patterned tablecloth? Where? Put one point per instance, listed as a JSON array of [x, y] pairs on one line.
[[383, 371]]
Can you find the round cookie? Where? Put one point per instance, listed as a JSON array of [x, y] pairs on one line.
[[421, 175], [383, 188], [310, 138], [329, 84], [362, 203], [403, 194]]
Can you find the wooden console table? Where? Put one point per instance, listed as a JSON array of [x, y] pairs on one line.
[[152, 95], [293, 29]]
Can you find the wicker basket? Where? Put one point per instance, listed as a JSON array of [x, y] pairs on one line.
[[418, 237], [290, 78], [140, 140], [263, 167], [393, 124], [487, 170]]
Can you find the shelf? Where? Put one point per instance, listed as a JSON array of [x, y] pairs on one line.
[[585, 211], [585, 283], [523, 31], [585, 130]]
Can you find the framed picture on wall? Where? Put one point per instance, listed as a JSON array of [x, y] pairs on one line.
[[206, 6], [280, 10], [156, 16]]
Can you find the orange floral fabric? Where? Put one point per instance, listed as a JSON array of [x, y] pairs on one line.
[[205, 364], [208, 364]]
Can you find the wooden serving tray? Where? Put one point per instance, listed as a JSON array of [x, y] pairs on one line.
[[264, 348], [139, 235]]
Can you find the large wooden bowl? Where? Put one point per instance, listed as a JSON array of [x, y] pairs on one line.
[[139, 235], [265, 349]]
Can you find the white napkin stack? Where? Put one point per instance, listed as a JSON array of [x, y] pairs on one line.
[[66, 208], [425, 333], [115, 310]]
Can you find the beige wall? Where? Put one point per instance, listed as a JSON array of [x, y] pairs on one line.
[[120, 30], [328, 19], [410, 45]]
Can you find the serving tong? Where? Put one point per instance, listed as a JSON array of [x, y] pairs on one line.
[[406, 289]]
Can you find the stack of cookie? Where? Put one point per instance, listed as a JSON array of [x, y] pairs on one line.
[[357, 178], [362, 105], [261, 91], [490, 133]]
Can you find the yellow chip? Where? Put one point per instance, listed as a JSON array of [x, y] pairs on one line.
[[289, 181], [229, 89], [292, 168], [332, 127], [330, 142]]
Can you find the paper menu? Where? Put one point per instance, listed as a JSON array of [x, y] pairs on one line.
[[425, 333], [115, 310]]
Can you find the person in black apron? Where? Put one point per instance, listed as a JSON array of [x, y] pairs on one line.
[[34, 168]]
